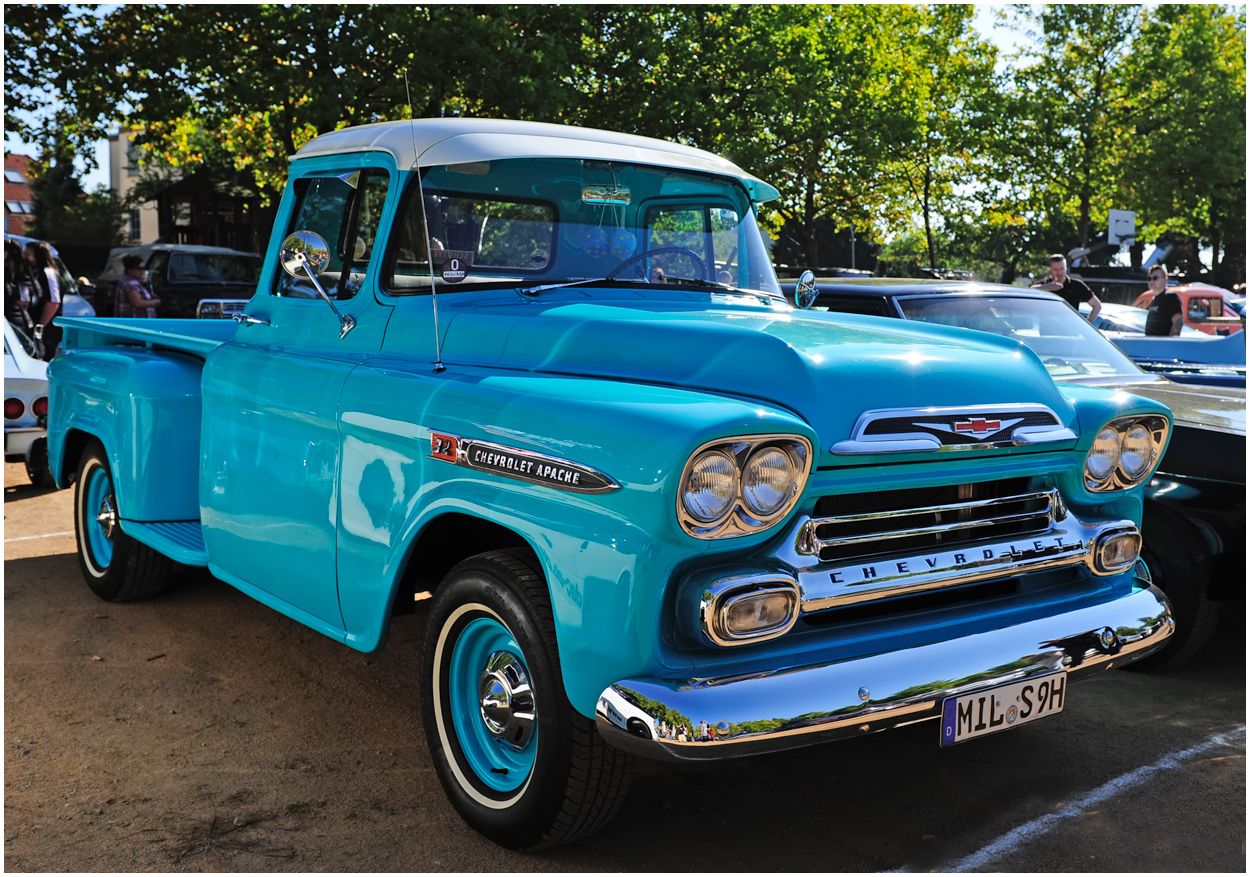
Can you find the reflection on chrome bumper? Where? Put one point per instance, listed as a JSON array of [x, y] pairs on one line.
[[782, 709]]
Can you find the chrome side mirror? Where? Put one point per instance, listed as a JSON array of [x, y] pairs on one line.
[[305, 254], [805, 290]]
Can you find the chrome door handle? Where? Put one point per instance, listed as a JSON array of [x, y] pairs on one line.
[[247, 319]]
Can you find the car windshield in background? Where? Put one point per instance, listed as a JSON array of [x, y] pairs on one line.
[[545, 221], [213, 268], [1068, 345]]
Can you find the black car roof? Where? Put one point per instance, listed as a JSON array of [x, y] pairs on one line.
[[889, 287]]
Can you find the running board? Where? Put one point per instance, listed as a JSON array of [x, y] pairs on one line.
[[182, 541]]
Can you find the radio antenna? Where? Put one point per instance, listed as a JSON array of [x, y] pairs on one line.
[[425, 230]]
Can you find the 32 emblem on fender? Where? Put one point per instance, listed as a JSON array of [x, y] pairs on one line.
[[521, 465]]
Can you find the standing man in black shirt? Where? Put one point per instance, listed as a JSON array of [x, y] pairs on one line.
[[1165, 314], [1072, 291]]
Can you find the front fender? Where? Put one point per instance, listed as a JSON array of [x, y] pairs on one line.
[[607, 557]]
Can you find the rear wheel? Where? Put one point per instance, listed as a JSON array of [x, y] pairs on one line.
[[116, 567], [519, 764], [1180, 565]]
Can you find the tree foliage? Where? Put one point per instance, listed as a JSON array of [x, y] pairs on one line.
[[890, 118]]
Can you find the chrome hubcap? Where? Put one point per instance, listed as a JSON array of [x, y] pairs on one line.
[[506, 699], [107, 517]]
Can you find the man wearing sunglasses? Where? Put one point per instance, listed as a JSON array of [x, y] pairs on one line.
[[1165, 315]]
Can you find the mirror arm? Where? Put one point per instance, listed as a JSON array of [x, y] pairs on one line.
[[346, 321]]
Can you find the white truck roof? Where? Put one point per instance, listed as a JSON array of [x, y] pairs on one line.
[[427, 142]]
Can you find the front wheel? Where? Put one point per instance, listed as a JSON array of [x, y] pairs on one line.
[[518, 763], [117, 568], [1180, 565]]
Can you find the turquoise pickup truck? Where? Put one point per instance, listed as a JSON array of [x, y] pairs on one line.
[[541, 383]]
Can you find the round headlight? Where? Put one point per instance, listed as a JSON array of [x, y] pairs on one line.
[[1136, 451], [711, 487], [1104, 455], [767, 481]]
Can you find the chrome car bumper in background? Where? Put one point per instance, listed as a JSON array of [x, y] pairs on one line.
[[18, 440], [786, 708]]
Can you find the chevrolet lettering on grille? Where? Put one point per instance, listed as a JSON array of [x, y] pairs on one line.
[[954, 561]]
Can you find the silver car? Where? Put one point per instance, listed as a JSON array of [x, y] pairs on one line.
[[25, 406]]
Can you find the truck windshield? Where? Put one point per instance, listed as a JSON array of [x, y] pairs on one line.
[[543, 221], [1067, 344]]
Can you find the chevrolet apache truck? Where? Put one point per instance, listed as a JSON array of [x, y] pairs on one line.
[[543, 380]]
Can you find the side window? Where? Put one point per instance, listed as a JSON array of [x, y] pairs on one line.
[[470, 236], [868, 306], [345, 210], [156, 268]]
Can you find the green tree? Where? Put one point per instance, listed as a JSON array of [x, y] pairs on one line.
[[1069, 107], [951, 96], [1185, 171], [264, 79]]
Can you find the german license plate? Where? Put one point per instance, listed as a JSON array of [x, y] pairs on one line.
[[999, 709]]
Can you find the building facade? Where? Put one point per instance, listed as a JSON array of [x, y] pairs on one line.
[[18, 212], [141, 226], [199, 207]]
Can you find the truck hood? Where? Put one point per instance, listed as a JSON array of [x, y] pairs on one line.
[[828, 369]]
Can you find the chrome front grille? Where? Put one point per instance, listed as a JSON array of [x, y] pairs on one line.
[[916, 520]]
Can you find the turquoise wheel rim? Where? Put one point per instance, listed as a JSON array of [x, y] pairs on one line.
[[495, 763], [99, 488]]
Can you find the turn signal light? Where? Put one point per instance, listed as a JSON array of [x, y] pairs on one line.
[[1116, 551]]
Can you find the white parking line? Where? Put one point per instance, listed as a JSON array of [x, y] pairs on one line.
[[1013, 839], [42, 536]]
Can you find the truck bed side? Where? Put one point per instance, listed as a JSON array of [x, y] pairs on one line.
[[198, 337], [134, 386]]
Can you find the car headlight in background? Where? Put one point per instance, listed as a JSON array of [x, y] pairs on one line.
[[741, 485], [1125, 451]]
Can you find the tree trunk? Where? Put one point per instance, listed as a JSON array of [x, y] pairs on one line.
[[928, 228]]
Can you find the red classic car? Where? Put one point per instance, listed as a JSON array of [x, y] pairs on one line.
[[1206, 308]]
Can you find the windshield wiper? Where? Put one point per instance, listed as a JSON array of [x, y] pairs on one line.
[[570, 284]]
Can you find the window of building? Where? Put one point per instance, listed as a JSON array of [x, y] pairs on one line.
[[136, 229], [19, 206], [13, 175], [132, 159]]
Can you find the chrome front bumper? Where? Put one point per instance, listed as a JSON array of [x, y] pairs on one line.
[[786, 708]]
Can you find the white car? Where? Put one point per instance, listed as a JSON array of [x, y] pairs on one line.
[[25, 406]]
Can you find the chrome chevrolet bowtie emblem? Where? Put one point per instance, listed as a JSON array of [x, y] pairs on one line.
[[977, 427]]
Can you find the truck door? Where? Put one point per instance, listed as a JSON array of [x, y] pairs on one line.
[[271, 443]]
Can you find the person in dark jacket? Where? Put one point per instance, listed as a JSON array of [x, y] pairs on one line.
[[1070, 290], [19, 289], [1165, 313]]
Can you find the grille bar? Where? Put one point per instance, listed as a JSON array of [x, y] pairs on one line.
[[1047, 495], [1042, 517], [946, 524]]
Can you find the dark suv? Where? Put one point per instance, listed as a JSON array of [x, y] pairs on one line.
[[182, 275]]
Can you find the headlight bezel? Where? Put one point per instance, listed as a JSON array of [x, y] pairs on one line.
[[739, 519], [1118, 477]]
